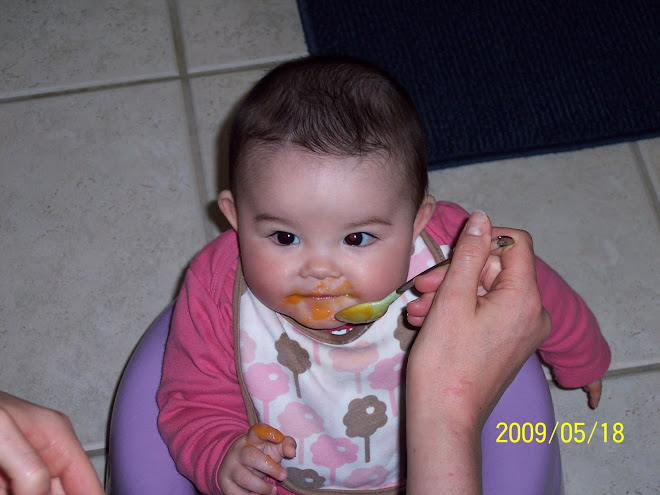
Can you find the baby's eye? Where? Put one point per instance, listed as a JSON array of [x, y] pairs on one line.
[[358, 239], [285, 238]]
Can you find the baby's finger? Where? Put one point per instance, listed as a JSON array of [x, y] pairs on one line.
[[289, 447], [594, 391], [260, 433], [246, 482], [255, 459], [279, 451]]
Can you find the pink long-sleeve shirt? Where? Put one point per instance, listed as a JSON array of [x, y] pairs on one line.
[[201, 406]]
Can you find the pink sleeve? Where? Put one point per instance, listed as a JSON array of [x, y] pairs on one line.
[[201, 408], [447, 223], [575, 349]]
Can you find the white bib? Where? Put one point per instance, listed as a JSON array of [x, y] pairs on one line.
[[339, 397]]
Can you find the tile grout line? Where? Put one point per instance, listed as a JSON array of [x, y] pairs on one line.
[[88, 88], [253, 64], [646, 178], [94, 449], [95, 452], [619, 372], [632, 370], [191, 120], [221, 69]]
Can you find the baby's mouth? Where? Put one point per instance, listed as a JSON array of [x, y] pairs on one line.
[[318, 306], [316, 298]]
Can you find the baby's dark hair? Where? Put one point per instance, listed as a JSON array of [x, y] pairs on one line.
[[331, 105]]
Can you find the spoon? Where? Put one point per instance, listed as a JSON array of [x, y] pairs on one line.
[[359, 314]]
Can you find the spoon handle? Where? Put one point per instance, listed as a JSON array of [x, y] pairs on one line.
[[497, 242], [408, 285]]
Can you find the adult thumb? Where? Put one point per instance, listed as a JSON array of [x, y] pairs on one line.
[[469, 257]]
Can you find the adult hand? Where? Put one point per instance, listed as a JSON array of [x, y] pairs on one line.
[[40, 453], [468, 351]]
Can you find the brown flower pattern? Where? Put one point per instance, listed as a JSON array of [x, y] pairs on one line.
[[363, 418]]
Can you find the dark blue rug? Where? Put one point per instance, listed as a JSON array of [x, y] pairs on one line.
[[496, 79]]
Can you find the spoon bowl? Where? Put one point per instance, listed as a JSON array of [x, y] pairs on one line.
[[362, 313]]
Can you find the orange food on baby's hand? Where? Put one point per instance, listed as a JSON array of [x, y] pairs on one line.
[[267, 433]]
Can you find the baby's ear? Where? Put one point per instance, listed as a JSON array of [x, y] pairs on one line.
[[228, 208], [423, 216]]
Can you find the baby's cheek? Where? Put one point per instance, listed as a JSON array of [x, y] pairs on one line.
[[381, 284], [266, 284]]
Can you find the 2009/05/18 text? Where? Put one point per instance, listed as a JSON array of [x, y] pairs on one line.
[[566, 432]]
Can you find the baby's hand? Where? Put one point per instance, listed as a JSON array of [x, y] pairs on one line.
[[593, 391], [253, 456]]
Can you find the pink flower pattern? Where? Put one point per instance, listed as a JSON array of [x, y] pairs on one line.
[[267, 382], [367, 478], [248, 348], [300, 421], [333, 453], [387, 375], [361, 357], [420, 262]]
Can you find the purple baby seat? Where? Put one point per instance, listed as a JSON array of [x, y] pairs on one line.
[[138, 460], [140, 464]]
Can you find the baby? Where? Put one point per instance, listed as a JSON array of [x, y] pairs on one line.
[[329, 208]]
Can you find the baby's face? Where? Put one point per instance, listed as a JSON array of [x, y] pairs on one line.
[[319, 233]]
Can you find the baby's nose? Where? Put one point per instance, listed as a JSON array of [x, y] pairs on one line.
[[321, 267]]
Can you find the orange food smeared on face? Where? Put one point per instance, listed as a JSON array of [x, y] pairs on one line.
[[293, 299], [321, 302], [267, 433], [322, 289], [321, 311]]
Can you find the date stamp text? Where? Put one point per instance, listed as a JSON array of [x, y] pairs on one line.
[[564, 432]]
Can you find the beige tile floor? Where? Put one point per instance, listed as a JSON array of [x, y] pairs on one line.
[[109, 113]]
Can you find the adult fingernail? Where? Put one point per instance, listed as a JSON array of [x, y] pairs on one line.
[[476, 224]]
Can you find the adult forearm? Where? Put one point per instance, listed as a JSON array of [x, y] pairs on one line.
[[443, 443]]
